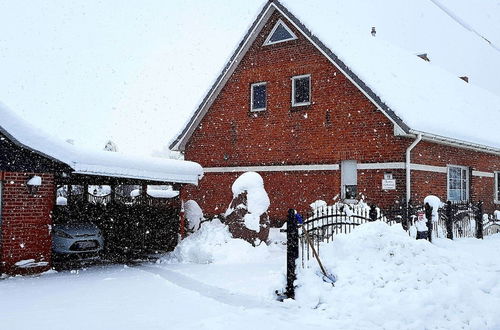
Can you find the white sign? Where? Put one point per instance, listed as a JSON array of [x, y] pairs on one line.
[[389, 184]]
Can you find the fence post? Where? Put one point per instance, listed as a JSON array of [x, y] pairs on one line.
[[479, 220], [410, 213], [405, 215], [449, 220], [373, 213], [292, 253], [428, 215]]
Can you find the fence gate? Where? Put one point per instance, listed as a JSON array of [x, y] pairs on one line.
[[461, 219], [491, 226], [323, 223]]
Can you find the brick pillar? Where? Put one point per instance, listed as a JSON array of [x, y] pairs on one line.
[[26, 223]]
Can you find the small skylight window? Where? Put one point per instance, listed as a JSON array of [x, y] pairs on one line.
[[280, 33]]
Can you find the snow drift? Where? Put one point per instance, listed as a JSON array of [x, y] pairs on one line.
[[213, 243], [384, 270]]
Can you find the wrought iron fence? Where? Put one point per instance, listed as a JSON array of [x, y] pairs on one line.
[[454, 220], [491, 226], [323, 223]]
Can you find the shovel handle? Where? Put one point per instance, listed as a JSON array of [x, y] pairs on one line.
[[314, 252]]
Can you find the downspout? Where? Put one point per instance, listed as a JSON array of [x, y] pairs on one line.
[[408, 167]]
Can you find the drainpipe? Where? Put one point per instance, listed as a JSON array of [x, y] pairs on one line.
[[408, 167]]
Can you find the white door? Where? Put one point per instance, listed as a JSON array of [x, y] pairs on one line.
[[349, 179]]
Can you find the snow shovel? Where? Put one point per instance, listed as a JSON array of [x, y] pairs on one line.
[[329, 278]]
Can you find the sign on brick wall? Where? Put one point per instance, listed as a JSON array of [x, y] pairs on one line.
[[388, 184]]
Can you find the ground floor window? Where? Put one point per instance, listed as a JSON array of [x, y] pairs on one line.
[[349, 179], [458, 183], [497, 187]]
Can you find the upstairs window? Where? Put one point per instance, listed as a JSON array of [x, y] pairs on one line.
[[301, 90], [458, 183], [280, 33], [258, 96], [497, 187]]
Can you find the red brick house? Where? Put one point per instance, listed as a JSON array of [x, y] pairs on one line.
[[320, 117], [32, 165]]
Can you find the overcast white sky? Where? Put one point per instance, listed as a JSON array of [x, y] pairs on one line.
[[126, 70]]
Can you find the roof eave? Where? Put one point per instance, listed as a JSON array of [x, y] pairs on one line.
[[180, 141], [456, 142], [38, 152]]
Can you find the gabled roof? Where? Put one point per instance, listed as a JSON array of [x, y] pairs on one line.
[[90, 162], [417, 96]]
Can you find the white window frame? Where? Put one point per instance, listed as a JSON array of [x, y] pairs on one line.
[[251, 96], [294, 104], [496, 198], [342, 179], [268, 39], [467, 178]]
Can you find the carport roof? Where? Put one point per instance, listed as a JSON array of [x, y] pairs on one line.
[[99, 163]]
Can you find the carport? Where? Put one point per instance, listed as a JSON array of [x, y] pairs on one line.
[[132, 225], [33, 165]]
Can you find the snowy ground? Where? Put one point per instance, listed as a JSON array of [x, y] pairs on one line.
[[385, 281]]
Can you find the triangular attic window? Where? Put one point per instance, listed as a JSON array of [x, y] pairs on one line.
[[280, 33]]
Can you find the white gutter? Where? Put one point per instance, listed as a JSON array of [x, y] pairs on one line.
[[408, 167], [456, 143]]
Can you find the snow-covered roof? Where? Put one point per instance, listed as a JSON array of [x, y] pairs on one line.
[[418, 96], [90, 162], [425, 96]]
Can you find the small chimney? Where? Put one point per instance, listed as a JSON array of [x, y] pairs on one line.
[[374, 32], [424, 57], [465, 78]]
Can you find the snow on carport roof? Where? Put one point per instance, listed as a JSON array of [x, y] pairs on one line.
[[425, 96], [90, 162]]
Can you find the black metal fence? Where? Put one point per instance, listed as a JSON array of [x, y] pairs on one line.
[[491, 226], [454, 220], [323, 223]]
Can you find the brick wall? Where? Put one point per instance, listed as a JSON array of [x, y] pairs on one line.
[[26, 221], [340, 124], [293, 190], [425, 183]]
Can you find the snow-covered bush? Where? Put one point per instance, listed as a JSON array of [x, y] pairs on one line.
[[213, 243], [258, 202], [247, 214], [436, 204], [194, 215]]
